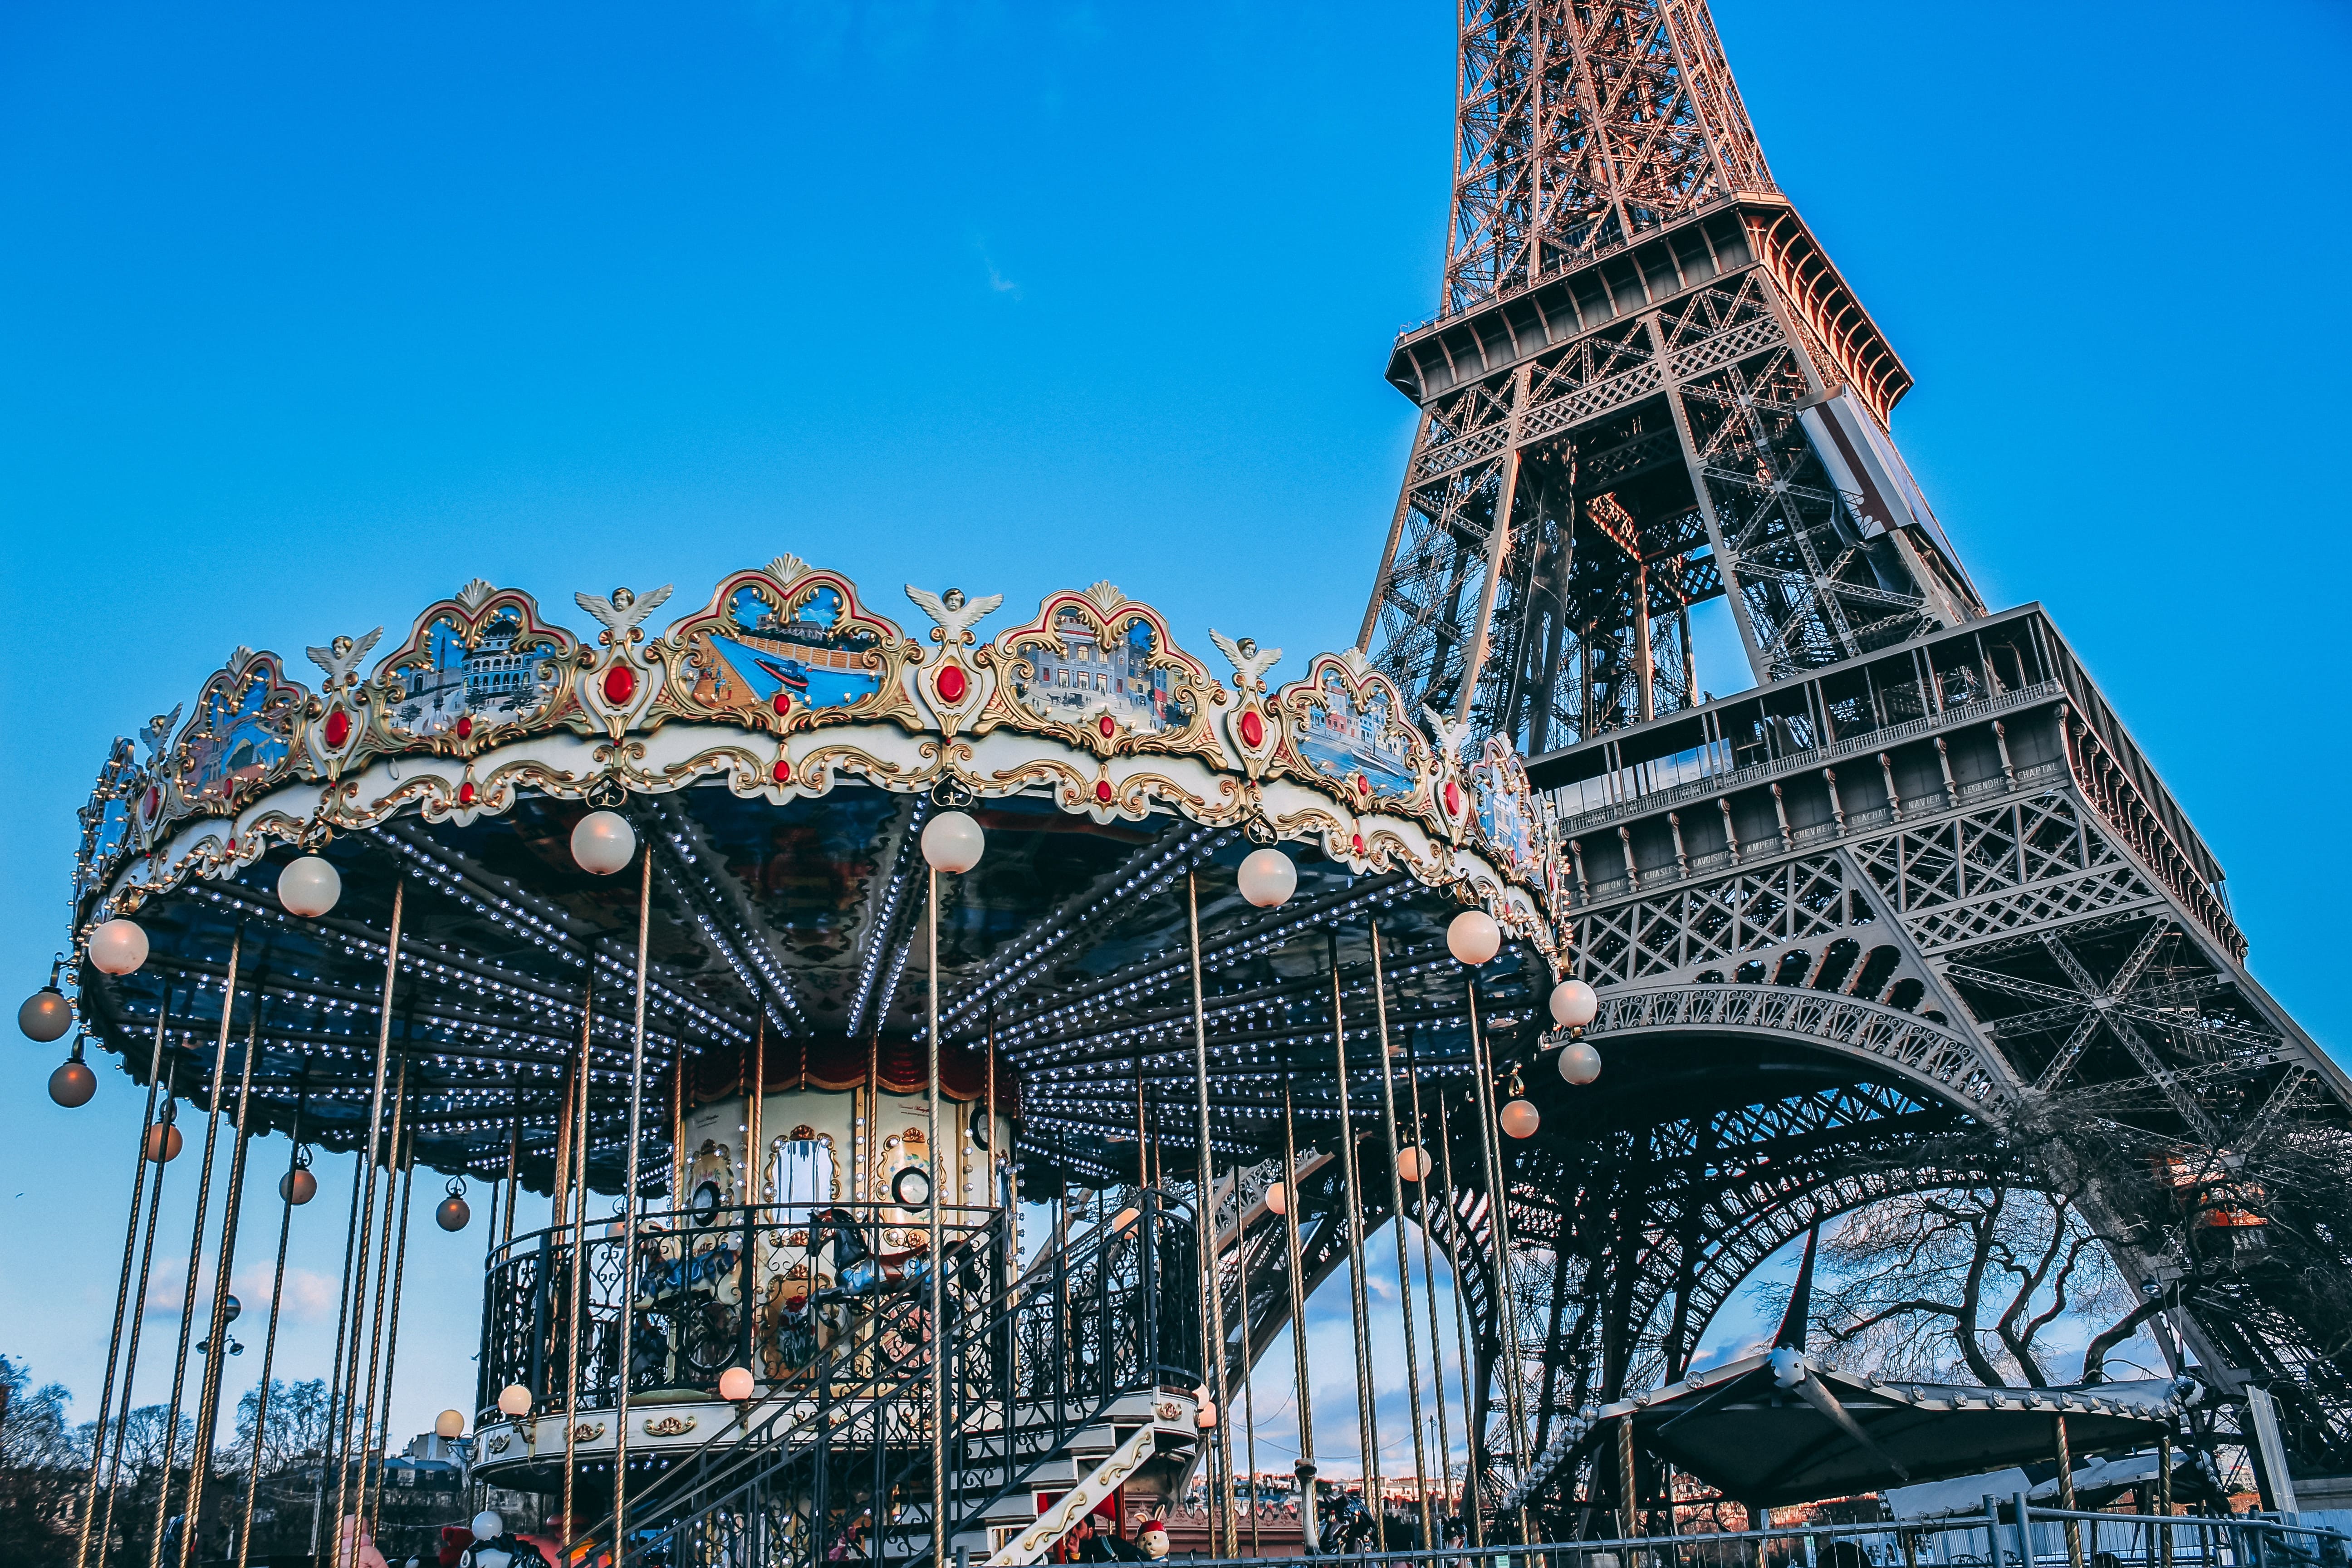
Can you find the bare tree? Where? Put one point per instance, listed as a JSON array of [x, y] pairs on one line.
[[40, 1466], [297, 1426], [1966, 1284]]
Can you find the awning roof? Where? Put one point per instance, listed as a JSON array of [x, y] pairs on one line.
[[1780, 1427]]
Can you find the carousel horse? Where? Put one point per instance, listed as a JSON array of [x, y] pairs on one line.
[[856, 1271]]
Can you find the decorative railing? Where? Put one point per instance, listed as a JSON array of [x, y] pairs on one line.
[[696, 1311], [1030, 1361], [1879, 740]]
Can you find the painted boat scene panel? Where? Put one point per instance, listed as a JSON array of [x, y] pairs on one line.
[[235, 741], [500, 679], [1343, 736], [1073, 679], [806, 655], [1505, 816]]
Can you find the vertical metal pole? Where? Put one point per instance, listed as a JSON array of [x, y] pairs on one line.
[[2066, 1495], [1628, 1515], [335, 1408], [1506, 1327], [2164, 1500], [1249, 1398], [1429, 1285], [939, 1293], [1296, 1275], [1470, 1492], [505, 1231], [677, 1127], [195, 1262], [1405, 1268], [572, 1179], [382, 1286], [627, 1352], [1216, 1302], [270, 1338], [392, 1331], [1368, 1432], [217, 1331], [348, 1374], [2024, 1530], [123, 1291]]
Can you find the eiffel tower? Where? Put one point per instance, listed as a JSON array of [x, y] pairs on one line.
[[1911, 912]]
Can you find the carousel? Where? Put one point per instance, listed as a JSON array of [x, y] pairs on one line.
[[747, 982]]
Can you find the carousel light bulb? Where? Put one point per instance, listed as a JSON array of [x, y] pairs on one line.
[[1412, 1164], [46, 1014], [163, 1143], [1267, 878], [230, 1307], [1277, 1199], [735, 1384], [449, 1423], [1579, 1063], [515, 1399], [73, 1083], [1473, 937], [119, 946], [1573, 1003], [1520, 1119], [603, 842], [453, 1213], [952, 841], [310, 886]]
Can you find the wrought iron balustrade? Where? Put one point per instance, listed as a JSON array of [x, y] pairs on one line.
[[1031, 1359], [815, 1271]]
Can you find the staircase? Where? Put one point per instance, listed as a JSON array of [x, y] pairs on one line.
[[1074, 1379]]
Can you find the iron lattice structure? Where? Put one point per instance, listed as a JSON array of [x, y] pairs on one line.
[[1914, 911]]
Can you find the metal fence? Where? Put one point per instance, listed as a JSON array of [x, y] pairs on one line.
[[2048, 1538]]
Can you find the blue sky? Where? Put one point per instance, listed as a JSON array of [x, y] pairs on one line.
[[309, 314]]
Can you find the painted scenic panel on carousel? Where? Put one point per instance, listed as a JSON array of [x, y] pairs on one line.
[[240, 735], [461, 679], [1507, 819], [1353, 730], [106, 820], [758, 654], [1070, 678]]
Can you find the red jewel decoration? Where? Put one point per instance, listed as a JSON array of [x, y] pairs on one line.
[[339, 728], [1358, 842], [782, 772], [952, 684], [620, 685], [782, 703], [1253, 729], [154, 800], [466, 796], [1453, 798], [1106, 725], [464, 726], [1363, 785], [1103, 791]]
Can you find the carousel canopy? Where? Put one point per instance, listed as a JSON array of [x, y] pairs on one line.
[[777, 751]]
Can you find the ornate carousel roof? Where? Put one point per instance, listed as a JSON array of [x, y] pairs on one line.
[[780, 748]]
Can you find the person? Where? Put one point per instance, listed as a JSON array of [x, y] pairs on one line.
[[1116, 1547], [355, 1545], [851, 1542]]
